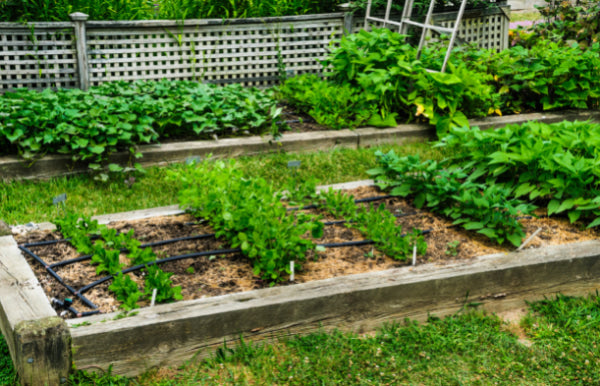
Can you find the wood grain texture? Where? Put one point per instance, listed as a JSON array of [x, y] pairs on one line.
[[171, 334], [22, 304]]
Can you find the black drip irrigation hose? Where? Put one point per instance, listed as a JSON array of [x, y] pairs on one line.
[[358, 201], [153, 244], [57, 277], [66, 306], [161, 261], [218, 252]]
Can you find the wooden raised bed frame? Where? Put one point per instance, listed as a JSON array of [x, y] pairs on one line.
[[43, 346]]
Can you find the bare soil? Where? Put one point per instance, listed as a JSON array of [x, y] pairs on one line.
[[218, 275]]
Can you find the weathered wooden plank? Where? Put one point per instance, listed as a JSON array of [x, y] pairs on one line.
[[38, 340], [371, 136], [37, 26], [171, 334], [548, 117], [39, 53], [141, 38], [266, 49]]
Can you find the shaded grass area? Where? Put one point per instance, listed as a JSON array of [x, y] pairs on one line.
[[466, 348], [7, 371], [31, 201]]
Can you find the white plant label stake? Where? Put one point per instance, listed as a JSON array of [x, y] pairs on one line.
[[153, 297], [415, 254], [292, 270]]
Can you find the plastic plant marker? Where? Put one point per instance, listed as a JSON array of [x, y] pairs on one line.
[[153, 297], [292, 270], [414, 262], [529, 239]]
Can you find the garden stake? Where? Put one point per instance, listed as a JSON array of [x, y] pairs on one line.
[[153, 297], [529, 239], [415, 254], [292, 270]]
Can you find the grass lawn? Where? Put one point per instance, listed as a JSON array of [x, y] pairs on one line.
[[26, 201], [555, 343]]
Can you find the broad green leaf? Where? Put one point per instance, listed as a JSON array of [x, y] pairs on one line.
[[115, 168], [574, 215], [594, 223], [489, 232], [553, 207], [473, 225], [566, 205], [96, 149], [515, 239]]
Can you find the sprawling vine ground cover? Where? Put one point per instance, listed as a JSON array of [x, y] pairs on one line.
[[90, 126]]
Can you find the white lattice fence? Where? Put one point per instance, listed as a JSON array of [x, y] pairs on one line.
[[252, 52], [244, 51], [37, 56]]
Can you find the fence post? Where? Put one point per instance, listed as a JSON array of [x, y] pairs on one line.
[[79, 20], [348, 18]]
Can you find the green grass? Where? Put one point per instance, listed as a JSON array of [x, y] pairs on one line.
[[467, 348], [31, 201], [7, 371]]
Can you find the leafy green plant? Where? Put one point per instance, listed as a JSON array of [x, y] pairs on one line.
[[331, 105], [248, 212], [126, 291], [452, 249], [380, 68], [119, 116], [157, 279], [376, 223], [556, 164], [106, 250], [487, 209], [567, 21]]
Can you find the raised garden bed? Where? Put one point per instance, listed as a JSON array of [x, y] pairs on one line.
[[298, 141], [169, 334]]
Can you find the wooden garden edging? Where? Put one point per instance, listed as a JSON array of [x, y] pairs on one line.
[[57, 165], [170, 334], [253, 52]]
